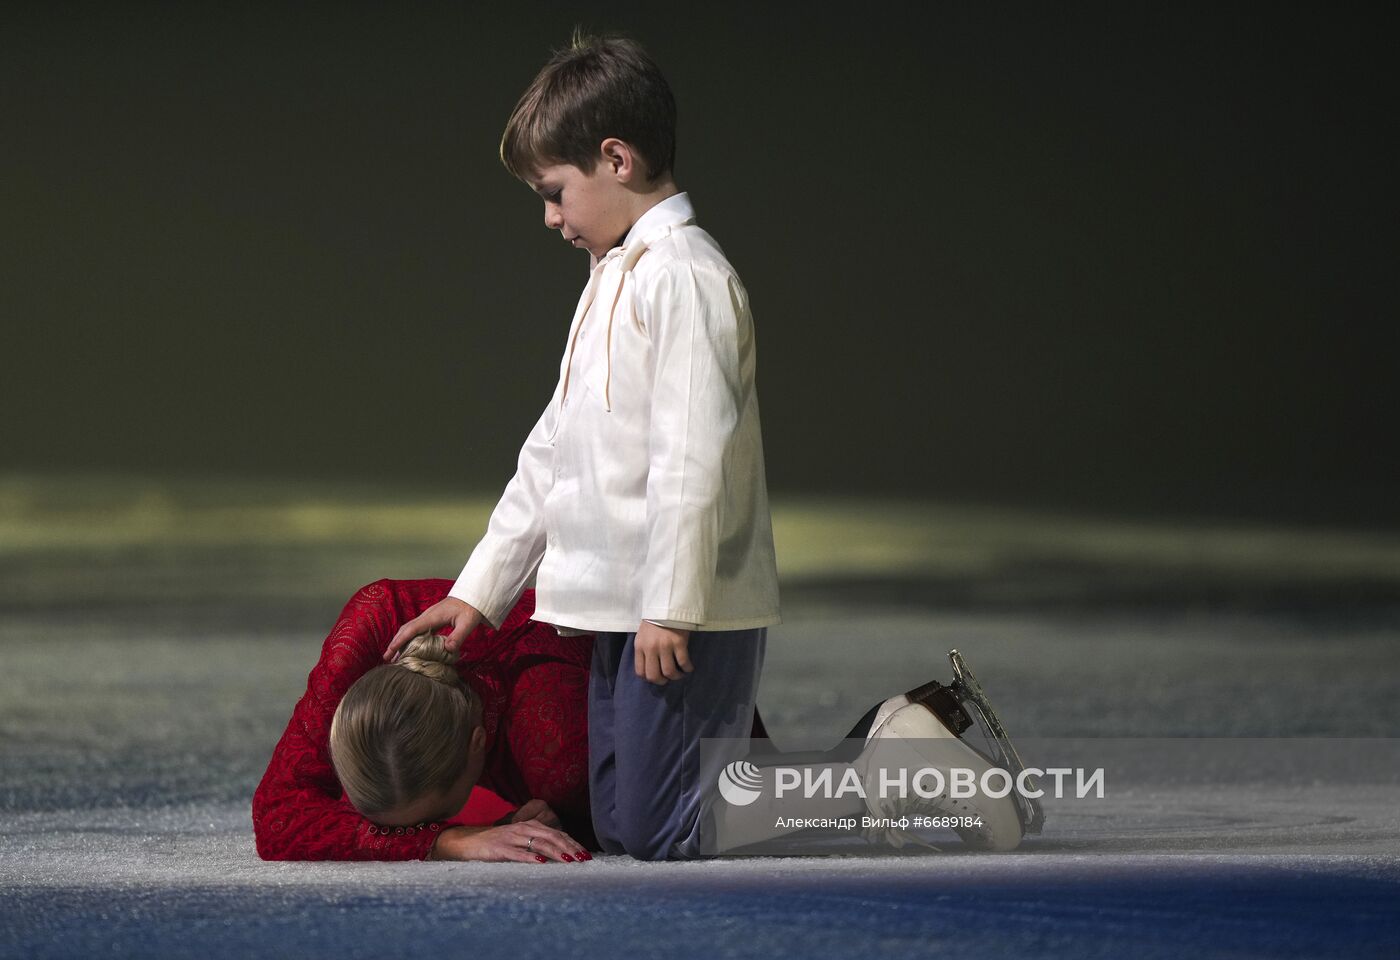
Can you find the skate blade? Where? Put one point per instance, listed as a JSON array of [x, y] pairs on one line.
[[968, 690]]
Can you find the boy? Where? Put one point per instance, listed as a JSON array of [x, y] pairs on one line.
[[639, 503]]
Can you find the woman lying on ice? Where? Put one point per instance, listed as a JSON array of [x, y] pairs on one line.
[[485, 757], [415, 738]]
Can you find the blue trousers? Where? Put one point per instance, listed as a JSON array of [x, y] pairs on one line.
[[649, 781]]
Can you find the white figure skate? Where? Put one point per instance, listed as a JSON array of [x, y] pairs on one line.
[[922, 730]]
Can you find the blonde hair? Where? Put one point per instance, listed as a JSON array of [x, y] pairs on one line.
[[402, 731]]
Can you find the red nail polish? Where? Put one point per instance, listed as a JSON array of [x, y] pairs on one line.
[[566, 858], [540, 858], [585, 855]]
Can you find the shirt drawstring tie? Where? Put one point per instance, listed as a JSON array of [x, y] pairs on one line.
[[630, 257]]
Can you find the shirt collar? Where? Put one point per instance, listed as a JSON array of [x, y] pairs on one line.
[[673, 211]]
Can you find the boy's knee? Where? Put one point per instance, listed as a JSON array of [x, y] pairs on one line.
[[643, 841], [650, 833]]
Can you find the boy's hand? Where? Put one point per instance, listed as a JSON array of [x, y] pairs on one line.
[[662, 653], [461, 616]]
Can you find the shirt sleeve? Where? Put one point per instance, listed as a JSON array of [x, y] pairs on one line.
[[697, 319], [299, 809], [507, 556]]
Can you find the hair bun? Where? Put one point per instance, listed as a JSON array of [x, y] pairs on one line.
[[427, 654]]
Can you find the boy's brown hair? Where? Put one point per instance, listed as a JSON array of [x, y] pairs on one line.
[[599, 87]]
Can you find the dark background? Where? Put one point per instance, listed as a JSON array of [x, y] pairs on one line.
[[1126, 258]]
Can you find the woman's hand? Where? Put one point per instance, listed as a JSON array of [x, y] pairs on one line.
[[461, 616], [537, 809], [528, 841]]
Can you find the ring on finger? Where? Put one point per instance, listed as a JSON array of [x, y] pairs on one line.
[[530, 845]]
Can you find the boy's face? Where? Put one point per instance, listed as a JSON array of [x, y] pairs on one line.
[[590, 210]]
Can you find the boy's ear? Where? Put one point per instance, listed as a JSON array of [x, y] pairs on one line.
[[621, 161]]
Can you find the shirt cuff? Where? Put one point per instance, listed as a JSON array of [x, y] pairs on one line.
[[673, 624]]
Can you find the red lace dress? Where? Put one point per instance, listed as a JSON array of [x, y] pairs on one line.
[[533, 685]]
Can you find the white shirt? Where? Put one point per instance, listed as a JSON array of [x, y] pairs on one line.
[[640, 493]]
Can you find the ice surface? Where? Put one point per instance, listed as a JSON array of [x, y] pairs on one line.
[[156, 636]]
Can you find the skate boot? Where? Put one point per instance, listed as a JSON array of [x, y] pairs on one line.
[[907, 770], [936, 697], [921, 731]]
